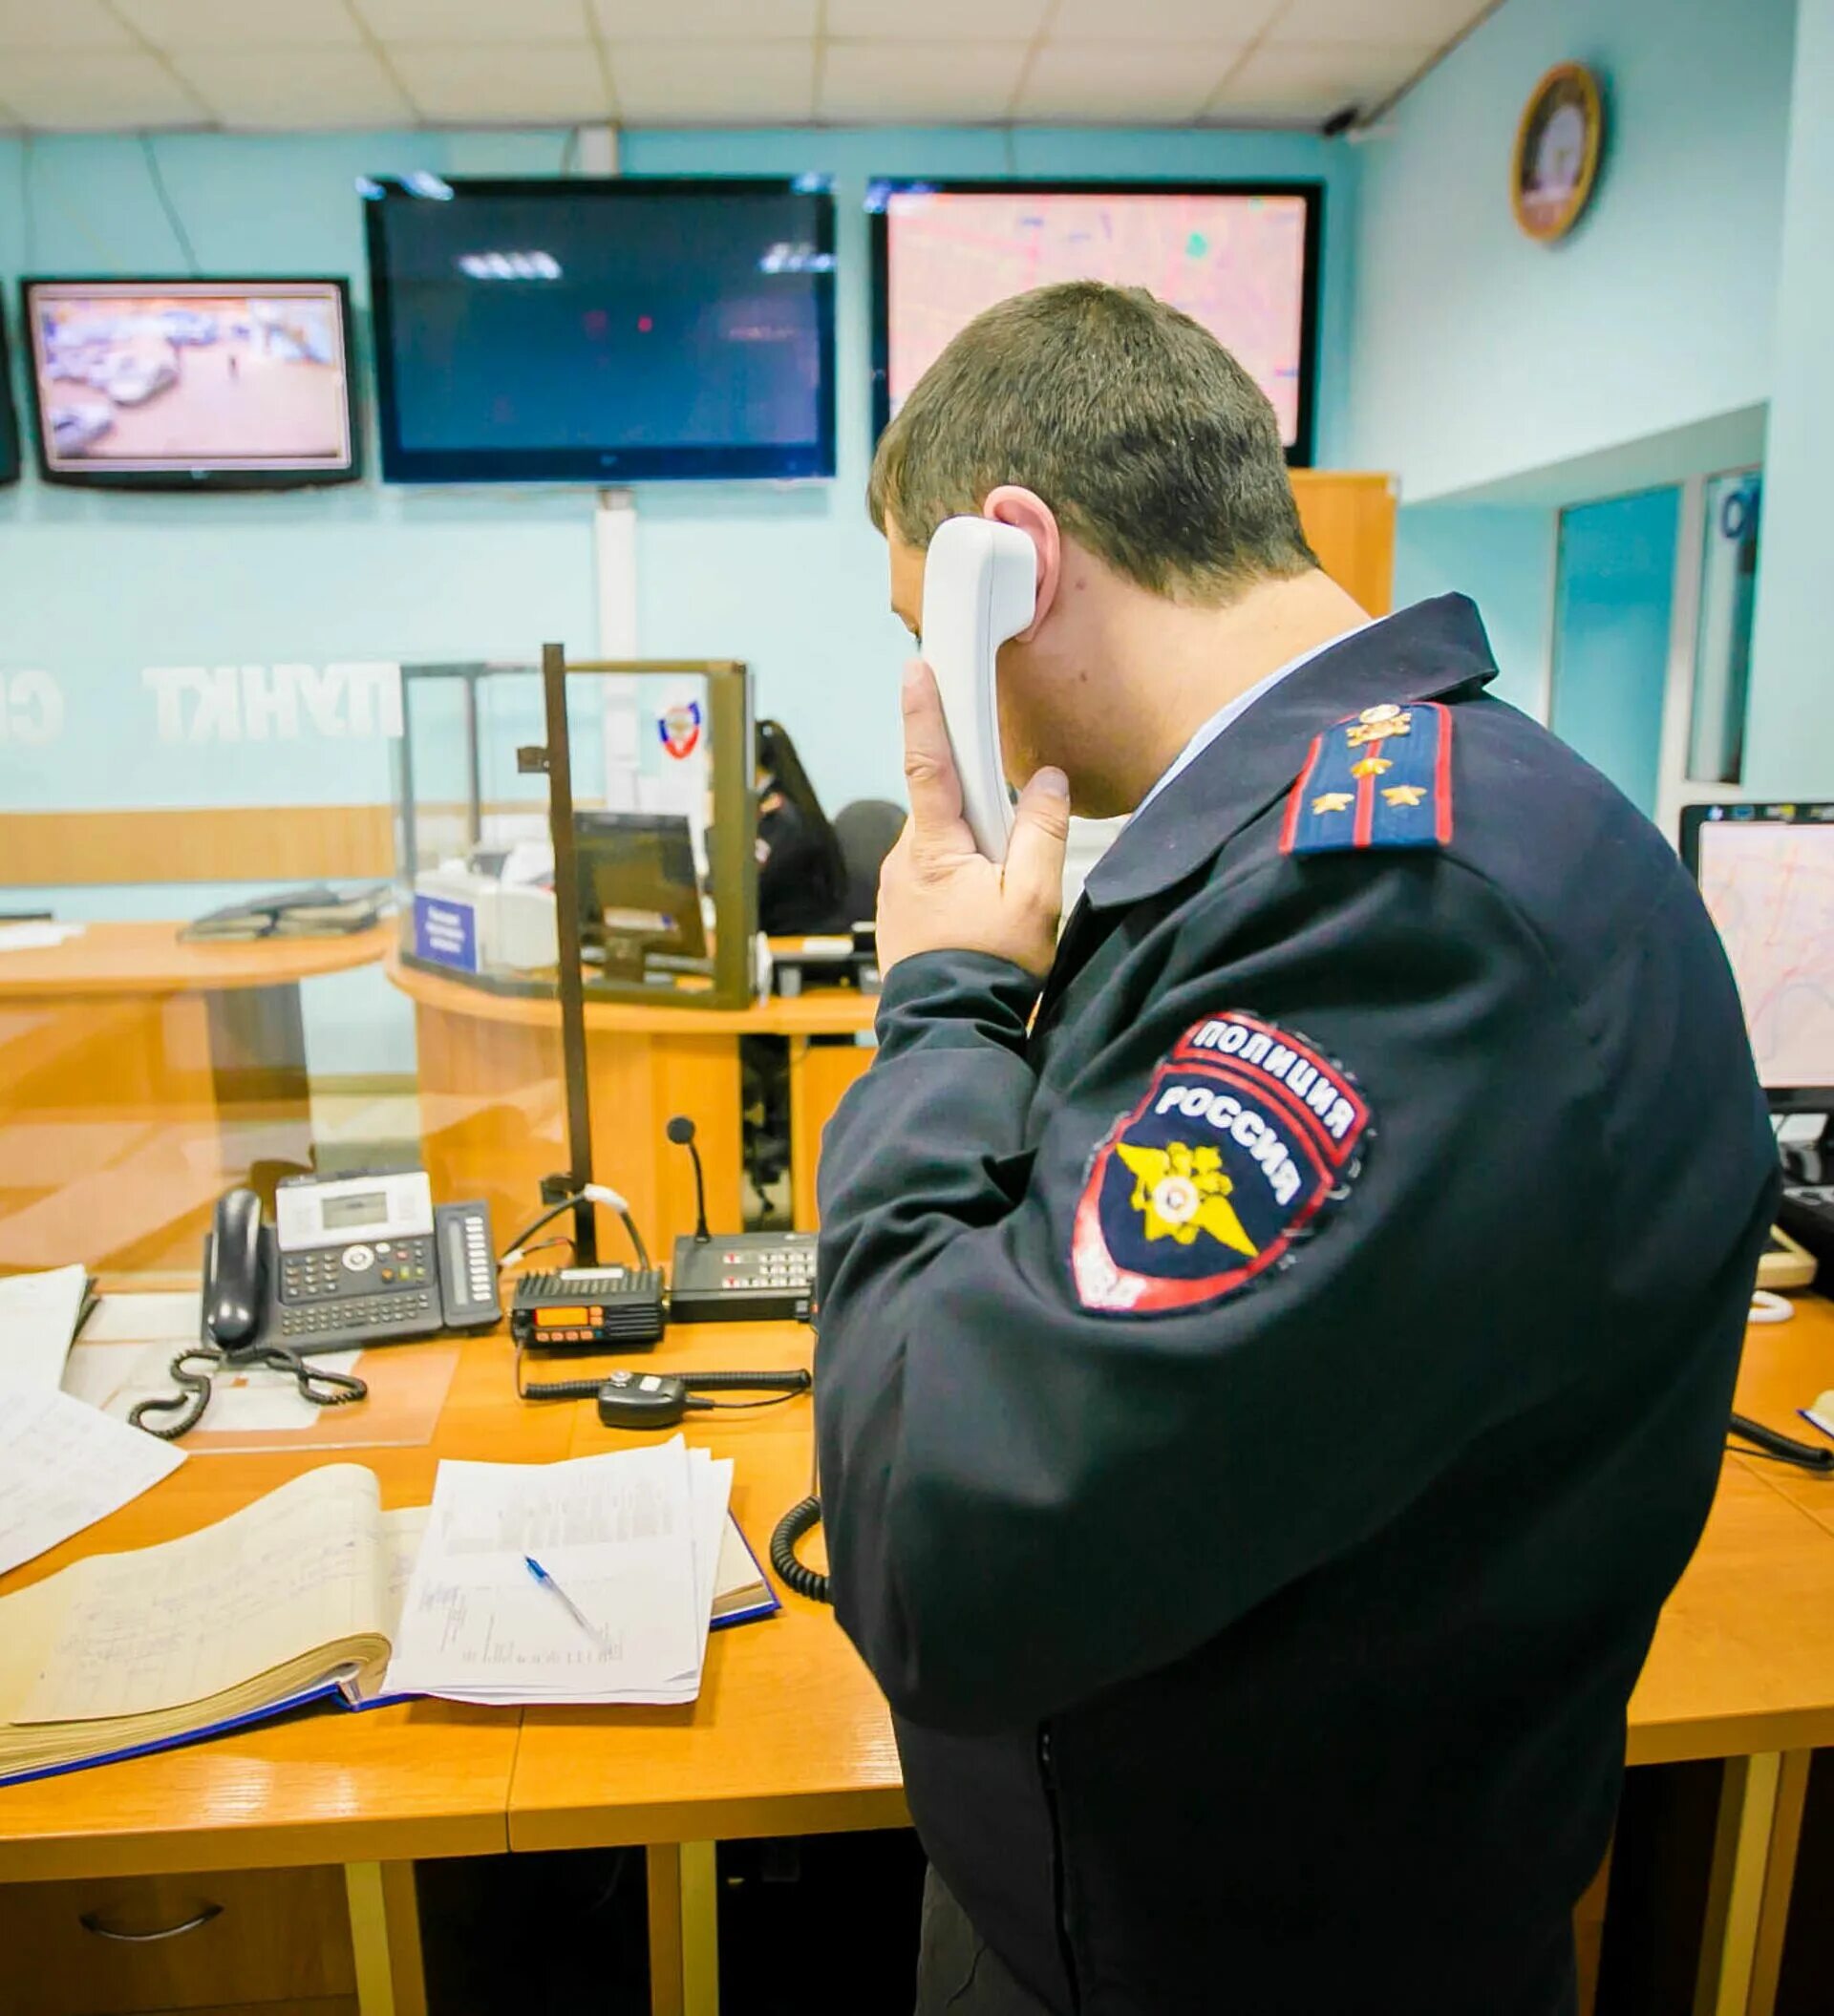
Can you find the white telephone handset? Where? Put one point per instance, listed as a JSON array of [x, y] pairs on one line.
[[980, 587]]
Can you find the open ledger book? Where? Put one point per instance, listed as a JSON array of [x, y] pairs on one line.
[[296, 1597]]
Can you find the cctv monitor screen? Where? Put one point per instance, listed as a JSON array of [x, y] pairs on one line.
[[180, 384], [1241, 260], [584, 330], [1766, 873]]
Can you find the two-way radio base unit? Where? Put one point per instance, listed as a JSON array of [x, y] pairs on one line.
[[589, 1309]]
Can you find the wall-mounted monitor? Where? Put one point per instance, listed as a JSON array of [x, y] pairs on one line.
[[1241, 259], [8, 423], [191, 383], [609, 330]]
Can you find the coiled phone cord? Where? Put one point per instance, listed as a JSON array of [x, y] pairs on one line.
[[316, 1383], [803, 1516]]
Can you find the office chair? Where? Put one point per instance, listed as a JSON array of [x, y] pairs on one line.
[[867, 829]]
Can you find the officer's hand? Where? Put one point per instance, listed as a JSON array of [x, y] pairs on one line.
[[935, 892]]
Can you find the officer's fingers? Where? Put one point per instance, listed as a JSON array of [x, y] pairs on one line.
[[929, 764], [1034, 873]]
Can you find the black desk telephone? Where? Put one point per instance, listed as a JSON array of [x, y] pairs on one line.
[[368, 1260], [350, 1263]]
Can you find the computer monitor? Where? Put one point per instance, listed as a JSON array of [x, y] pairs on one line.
[[1766, 873], [1240, 258], [603, 330], [639, 895], [191, 383]]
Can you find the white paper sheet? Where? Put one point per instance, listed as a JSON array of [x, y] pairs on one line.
[[175, 1319], [63, 1466], [35, 935], [37, 1319], [632, 1537]]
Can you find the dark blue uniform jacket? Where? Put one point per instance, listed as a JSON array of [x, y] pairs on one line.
[[1265, 1395]]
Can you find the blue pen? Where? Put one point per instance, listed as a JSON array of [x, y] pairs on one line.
[[573, 1610]]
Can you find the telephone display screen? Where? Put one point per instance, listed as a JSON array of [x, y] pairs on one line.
[[367, 1207]]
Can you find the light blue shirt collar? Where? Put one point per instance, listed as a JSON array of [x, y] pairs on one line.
[[1232, 710]]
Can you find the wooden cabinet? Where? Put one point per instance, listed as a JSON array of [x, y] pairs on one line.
[[1350, 521], [272, 1940]]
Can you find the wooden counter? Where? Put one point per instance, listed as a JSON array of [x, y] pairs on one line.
[[140, 1078], [492, 1104]]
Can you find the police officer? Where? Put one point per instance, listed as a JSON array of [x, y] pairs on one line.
[[1276, 1342]]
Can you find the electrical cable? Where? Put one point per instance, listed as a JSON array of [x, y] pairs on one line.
[[594, 1192], [803, 1516], [187, 1406], [1779, 1448], [780, 1385], [157, 176]]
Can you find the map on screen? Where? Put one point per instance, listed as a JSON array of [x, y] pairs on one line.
[[1234, 261], [1770, 889]]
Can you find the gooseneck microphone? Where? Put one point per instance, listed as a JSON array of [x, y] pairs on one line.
[[681, 1131]]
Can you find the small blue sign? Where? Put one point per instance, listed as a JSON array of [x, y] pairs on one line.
[[445, 933]]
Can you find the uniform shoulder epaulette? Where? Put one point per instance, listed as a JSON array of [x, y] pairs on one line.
[[1381, 778]]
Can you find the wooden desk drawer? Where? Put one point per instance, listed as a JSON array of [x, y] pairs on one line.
[[143, 1943]]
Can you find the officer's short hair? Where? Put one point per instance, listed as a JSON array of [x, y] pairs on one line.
[[1154, 447]]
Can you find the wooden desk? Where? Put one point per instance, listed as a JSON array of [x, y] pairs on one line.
[[492, 1112], [790, 1733], [139, 1077]]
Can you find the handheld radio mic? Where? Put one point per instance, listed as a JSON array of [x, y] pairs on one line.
[[681, 1131]]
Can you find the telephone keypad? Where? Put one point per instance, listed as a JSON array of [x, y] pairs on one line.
[[351, 1312], [326, 1276]]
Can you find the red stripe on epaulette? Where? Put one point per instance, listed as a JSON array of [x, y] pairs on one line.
[[1296, 797], [1443, 777]]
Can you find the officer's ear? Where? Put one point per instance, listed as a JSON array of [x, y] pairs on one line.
[[1026, 511]]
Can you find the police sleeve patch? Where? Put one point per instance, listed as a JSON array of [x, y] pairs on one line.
[[1246, 1135]]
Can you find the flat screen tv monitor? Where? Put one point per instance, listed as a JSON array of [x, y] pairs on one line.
[[602, 331], [1241, 259], [639, 895], [1766, 873], [9, 421], [191, 383]]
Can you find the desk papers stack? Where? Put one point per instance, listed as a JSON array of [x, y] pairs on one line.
[[634, 1538]]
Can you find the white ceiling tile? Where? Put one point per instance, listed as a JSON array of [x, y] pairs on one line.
[[1162, 20], [936, 20], [675, 20], [713, 84], [293, 87], [85, 91], [476, 20], [236, 24], [1304, 82], [65, 24], [501, 84], [1410, 23], [1109, 82], [948, 82]]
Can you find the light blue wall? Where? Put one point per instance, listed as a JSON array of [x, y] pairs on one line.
[[96, 588], [1791, 725], [1504, 560], [1611, 648], [1477, 354]]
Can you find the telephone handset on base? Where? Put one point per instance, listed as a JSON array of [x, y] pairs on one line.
[[352, 1262], [980, 588]]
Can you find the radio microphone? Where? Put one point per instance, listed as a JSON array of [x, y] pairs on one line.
[[681, 1131]]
